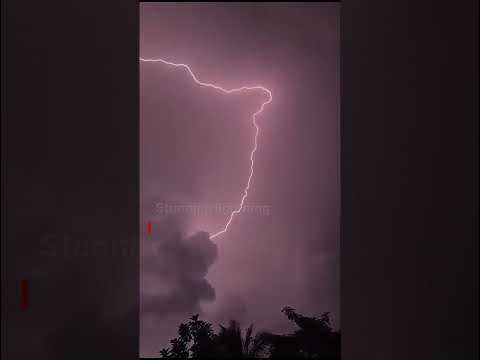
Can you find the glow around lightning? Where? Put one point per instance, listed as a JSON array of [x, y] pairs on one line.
[[254, 121]]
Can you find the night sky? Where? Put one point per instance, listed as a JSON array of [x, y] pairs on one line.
[[195, 148]]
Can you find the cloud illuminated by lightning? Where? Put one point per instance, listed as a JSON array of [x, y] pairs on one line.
[[254, 120]]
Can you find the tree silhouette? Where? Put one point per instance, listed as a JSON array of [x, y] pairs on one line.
[[231, 343], [314, 338], [195, 340]]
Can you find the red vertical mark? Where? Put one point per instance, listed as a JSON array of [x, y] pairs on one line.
[[149, 229], [24, 291]]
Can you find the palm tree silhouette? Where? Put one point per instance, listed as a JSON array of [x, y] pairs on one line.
[[231, 343]]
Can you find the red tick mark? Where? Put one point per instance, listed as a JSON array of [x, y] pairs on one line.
[[24, 291]]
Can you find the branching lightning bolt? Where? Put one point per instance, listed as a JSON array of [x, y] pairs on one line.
[[254, 120]]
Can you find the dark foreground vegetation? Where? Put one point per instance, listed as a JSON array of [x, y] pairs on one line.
[[314, 338]]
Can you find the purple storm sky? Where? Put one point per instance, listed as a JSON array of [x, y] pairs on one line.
[[195, 148]]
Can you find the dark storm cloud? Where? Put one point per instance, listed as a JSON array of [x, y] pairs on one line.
[[179, 267], [173, 282]]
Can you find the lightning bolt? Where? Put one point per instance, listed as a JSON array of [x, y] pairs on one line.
[[254, 121]]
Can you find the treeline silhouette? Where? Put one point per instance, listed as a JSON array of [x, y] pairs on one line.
[[314, 338]]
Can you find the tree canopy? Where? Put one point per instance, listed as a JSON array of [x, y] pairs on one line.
[[314, 338]]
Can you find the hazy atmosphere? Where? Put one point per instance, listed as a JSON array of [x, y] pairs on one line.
[[283, 248]]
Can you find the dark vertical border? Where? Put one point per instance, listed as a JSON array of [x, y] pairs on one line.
[[409, 180], [3, 174], [70, 179]]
